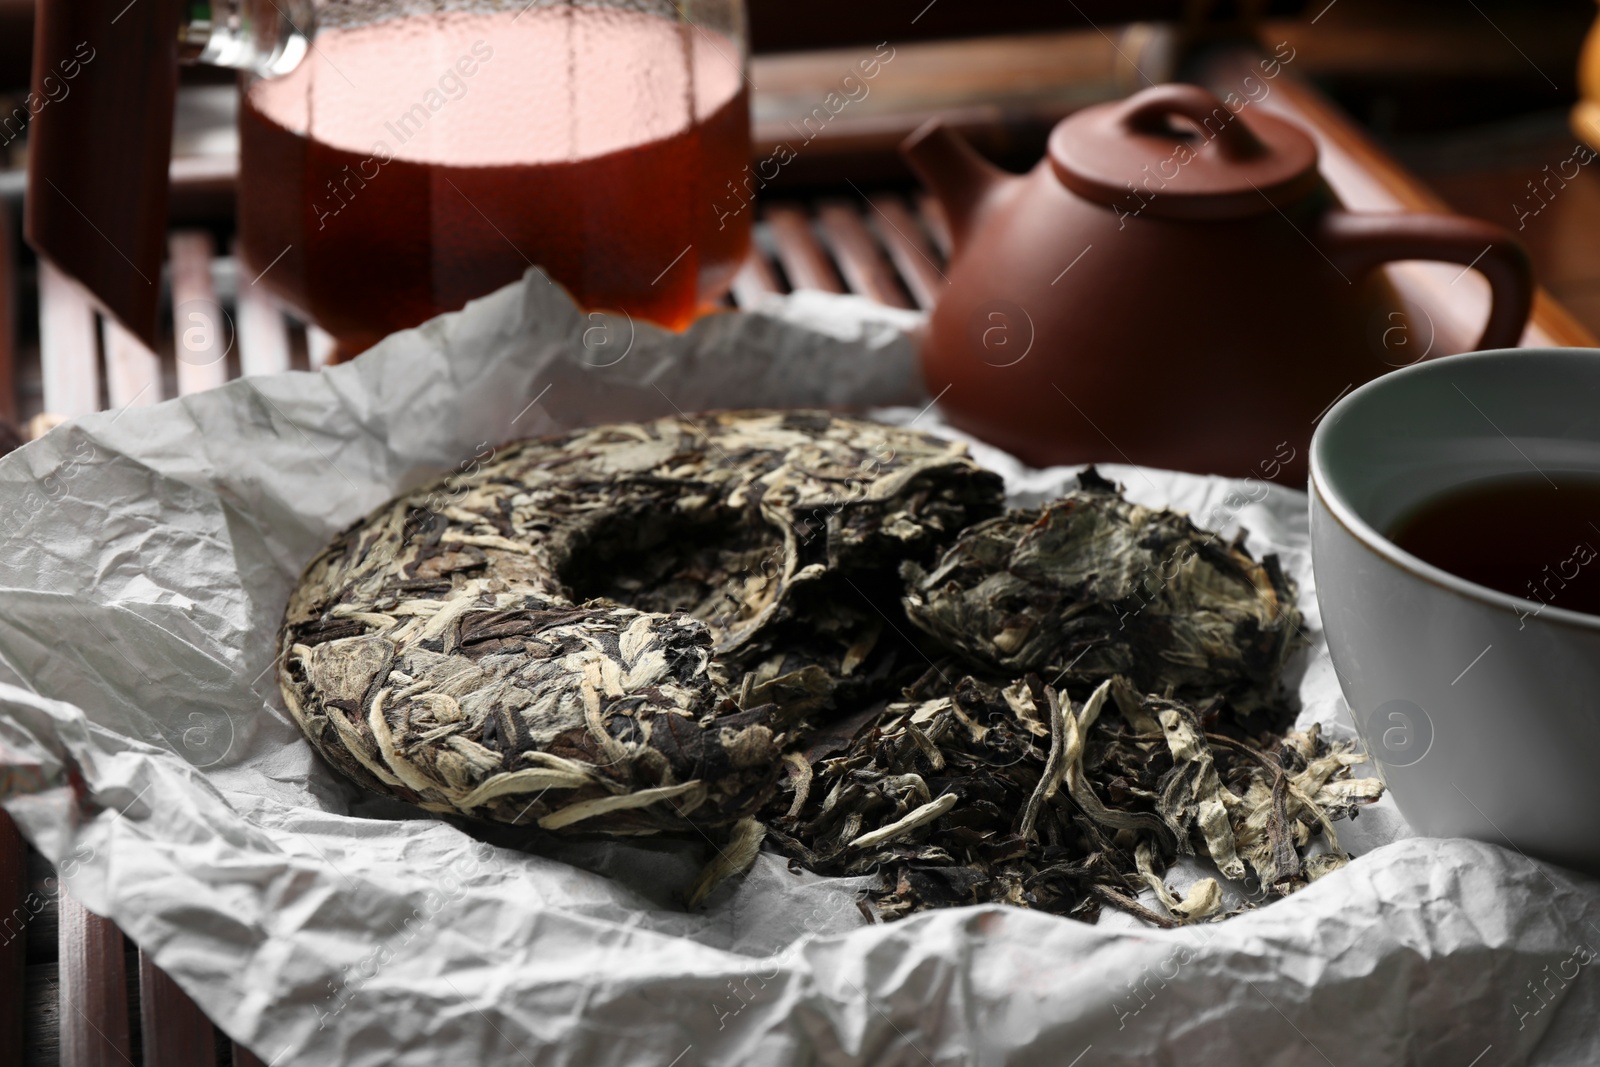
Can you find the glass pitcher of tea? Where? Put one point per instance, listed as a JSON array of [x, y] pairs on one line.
[[401, 157]]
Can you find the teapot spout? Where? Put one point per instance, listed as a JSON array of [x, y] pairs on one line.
[[961, 179]]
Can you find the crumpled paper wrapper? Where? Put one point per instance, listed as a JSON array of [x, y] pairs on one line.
[[145, 751]]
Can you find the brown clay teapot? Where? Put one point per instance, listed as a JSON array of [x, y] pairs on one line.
[[1174, 285]]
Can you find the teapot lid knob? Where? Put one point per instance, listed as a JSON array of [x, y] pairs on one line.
[[1179, 151]]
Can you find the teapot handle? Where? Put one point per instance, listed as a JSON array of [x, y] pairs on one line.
[[1359, 242]]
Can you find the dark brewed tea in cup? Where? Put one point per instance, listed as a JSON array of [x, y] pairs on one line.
[[1533, 536]]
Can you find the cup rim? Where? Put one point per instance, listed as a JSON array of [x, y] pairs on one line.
[[1376, 542]]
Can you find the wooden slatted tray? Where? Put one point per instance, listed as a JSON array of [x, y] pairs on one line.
[[888, 247]]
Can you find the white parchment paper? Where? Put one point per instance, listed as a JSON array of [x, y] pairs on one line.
[[144, 750]]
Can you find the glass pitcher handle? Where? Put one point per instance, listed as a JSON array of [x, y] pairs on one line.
[[105, 78], [266, 37]]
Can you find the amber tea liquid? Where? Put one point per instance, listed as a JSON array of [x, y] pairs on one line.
[[413, 164], [1532, 537]]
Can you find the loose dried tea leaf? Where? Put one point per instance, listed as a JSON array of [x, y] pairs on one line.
[[619, 630], [1091, 586], [1303, 792], [1203, 900], [937, 798], [958, 799], [1192, 795], [744, 844]]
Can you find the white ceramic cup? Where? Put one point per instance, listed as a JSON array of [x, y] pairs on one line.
[[1482, 710]]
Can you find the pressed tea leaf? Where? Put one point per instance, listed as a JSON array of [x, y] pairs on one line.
[[820, 636], [619, 630], [1091, 586]]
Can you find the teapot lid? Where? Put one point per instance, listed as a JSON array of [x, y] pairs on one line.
[[1217, 164]]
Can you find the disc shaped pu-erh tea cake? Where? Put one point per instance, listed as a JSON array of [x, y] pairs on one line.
[[617, 630]]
